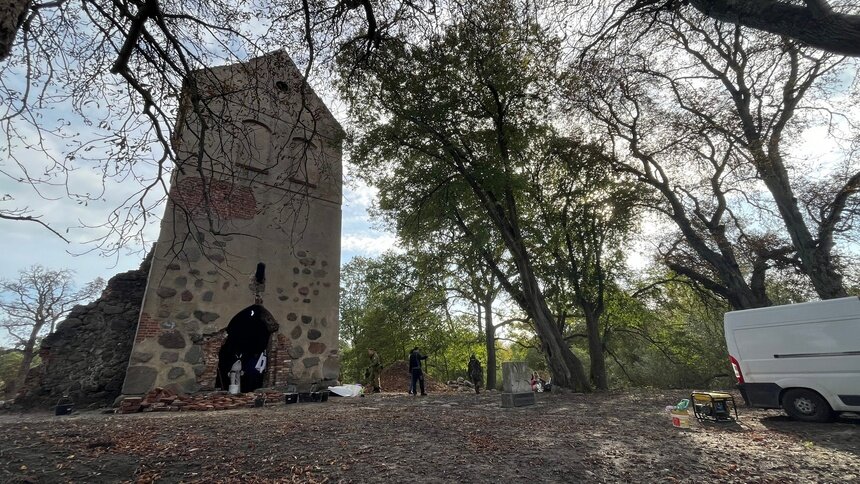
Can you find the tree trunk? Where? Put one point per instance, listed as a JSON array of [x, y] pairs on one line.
[[12, 13], [595, 350], [815, 258], [730, 283], [28, 353], [490, 341], [567, 370], [819, 27]]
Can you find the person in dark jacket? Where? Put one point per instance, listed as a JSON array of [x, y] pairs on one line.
[[476, 373], [415, 371]]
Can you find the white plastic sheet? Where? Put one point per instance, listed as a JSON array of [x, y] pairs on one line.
[[353, 390]]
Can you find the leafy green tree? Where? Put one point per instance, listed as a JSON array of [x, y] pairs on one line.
[[585, 213], [707, 115], [10, 363], [387, 305], [467, 279], [32, 305], [668, 335], [446, 128]]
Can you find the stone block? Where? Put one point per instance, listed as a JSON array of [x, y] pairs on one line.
[[140, 357], [175, 372], [172, 340], [296, 352], [516, 377], [169, 357], [110, 309], [194, 355], [510, 400], [331, 368], [139, 380], [205, 316]]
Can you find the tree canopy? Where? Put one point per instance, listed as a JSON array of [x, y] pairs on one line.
[[523, 150]]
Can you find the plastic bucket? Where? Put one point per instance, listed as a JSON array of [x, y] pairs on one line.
[[680, 419], [234, 389]]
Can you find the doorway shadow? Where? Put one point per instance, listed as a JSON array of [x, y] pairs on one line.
[[248, 335]]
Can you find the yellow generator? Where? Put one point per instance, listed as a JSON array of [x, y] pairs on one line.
[[714, 406]]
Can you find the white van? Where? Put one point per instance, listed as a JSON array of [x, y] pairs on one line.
[[804, 357]]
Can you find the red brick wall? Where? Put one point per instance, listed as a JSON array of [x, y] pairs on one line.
[[280, 364], [147, 327], [228, 201], [211, 346]]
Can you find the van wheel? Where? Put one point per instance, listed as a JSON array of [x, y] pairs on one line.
[[806, 405]]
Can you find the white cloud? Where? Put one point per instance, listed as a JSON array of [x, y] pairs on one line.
[[359, 194], [368, 244]]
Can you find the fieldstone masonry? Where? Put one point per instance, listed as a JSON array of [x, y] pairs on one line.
[[87, 354], [263, 185]]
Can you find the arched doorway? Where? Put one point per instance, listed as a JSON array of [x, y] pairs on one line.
[[248, 336]]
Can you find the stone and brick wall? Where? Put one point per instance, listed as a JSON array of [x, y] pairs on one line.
[[87, 355], [226, 200], [206, 255]]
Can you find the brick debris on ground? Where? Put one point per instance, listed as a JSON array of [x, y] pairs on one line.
[[164, 400]]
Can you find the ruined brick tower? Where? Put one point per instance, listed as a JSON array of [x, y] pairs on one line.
[[258, 181]]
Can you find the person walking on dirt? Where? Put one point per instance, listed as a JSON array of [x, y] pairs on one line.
[[415, 371], [476, 373], [374, 370]]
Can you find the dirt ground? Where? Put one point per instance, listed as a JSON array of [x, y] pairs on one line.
[[444, 437]]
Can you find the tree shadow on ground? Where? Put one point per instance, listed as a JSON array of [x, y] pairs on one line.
[[842, 434]]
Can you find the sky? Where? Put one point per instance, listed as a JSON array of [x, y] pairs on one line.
[[25, 244]]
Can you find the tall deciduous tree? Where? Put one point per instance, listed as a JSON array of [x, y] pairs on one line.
[[585, 212], [707, 116], [469, 278], [32, 305], [392, 304], [449, 126]]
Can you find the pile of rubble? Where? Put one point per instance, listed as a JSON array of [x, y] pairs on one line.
[[163, 400], [461, 385], [396, 378]]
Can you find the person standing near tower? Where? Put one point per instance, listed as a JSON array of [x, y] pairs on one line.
[[415, 371], [476, 373], [374, 370]]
